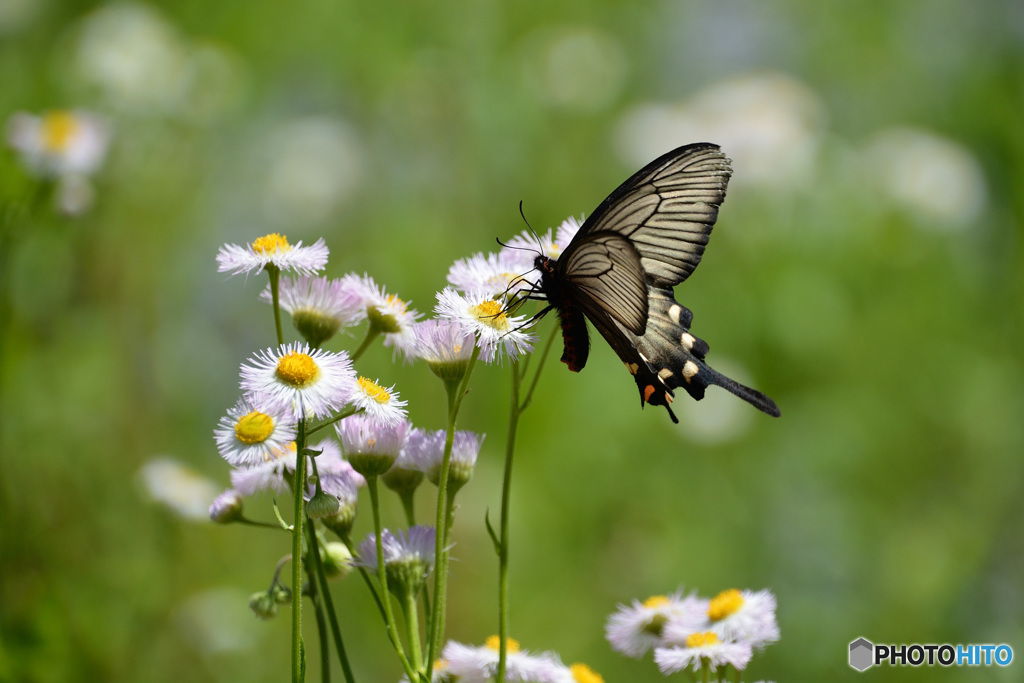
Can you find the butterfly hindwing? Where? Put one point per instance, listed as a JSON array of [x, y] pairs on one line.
[[604, 268], [667, 210]]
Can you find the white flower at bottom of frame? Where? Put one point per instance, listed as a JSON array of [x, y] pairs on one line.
[[700, 649], [744, 616], [382, 404], [481, 314], [254, 431], [267, 476], [309, 382], [635, 629], [273, 249], [59, 143], [480, 664]]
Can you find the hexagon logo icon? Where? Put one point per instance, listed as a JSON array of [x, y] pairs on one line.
[[862, 654]]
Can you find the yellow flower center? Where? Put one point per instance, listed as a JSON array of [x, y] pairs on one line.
[[280, 453], [440, 664], [494, 643], [271, 244], [581, 673], [374, 391], [396, 303], [255, 427], [725, 603], [490, 313], [297, 369], [59, 129], [701, 639], [655, 601]]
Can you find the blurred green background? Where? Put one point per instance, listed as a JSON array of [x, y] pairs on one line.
[[866, 272]]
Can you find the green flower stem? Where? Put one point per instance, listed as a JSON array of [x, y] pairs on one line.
[[347, 412], [435, 633], [409, 507], [372, 333], [516, 409], [252, 522], [706, 672], [298, 666], [382, 580], [328, 603], [366, 577], [321, 627], [506, 486], [412, 621], [275, 280]]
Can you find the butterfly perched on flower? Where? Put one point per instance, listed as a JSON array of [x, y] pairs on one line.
[[619, 270]]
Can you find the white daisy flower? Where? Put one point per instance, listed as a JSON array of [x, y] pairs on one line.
[[635, 629], [318, 306], [381, 404], [524, 247], [59, 143], [480, 314], [702, 648], [496, 274], [744, 616], [253, 431], [309, 382], [371, 446], [266, 476], [272, 250], [390, 315], [480, 664]]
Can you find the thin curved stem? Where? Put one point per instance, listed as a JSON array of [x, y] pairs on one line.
[[382, 580], [328, 603], [506, 487], [372, 332], [298, 666]]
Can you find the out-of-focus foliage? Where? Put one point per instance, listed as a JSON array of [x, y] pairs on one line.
[[866, 272]]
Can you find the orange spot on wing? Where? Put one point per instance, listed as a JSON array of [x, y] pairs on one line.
[[648, 391]]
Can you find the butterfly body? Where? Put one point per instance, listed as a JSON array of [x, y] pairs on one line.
[[619, 270]]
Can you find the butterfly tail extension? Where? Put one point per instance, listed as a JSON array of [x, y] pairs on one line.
[[676, 357]]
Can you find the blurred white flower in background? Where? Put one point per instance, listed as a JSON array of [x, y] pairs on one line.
[[312, 167], [769, 124], [718, 417], [933, 177], [218, 620], [18, 14], [580, 68], [140, 63], [179, 487], [59, 143], [67, 146], [132, 55]]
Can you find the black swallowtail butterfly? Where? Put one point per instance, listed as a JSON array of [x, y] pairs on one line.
[[620, 268]]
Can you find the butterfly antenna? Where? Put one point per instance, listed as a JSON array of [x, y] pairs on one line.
[[540, 244]]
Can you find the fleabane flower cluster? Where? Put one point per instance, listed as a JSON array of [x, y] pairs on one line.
[[319, 307], [479, 664], [696, 633]]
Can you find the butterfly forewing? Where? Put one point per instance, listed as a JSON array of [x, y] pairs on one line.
[[604, 268], [667, 209]]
